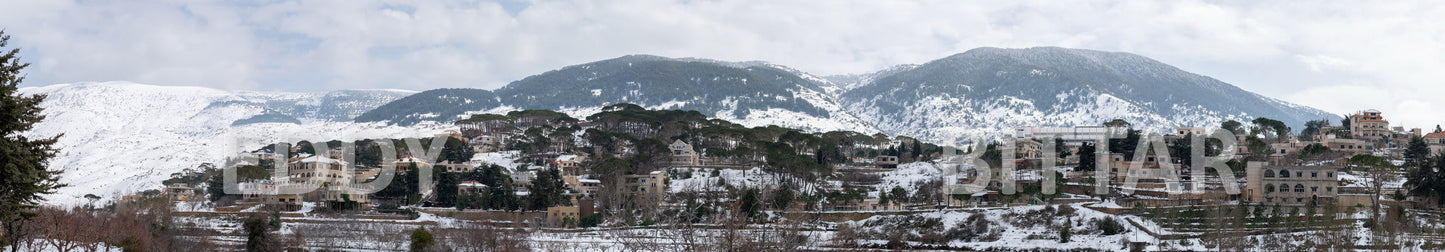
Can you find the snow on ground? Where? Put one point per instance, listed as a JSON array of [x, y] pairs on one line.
[[121, 138], [1032, 227], [506, 159], [1360, 179], [702, 179], [910, 176]]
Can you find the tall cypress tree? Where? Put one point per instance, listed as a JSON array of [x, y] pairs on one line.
[[23, 176]]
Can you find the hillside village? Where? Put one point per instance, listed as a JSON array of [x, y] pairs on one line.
[[1361, 183]]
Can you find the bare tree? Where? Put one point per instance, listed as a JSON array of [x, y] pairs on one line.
[[1379, 170]]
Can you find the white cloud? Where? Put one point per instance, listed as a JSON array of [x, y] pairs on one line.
[[1279, 49]]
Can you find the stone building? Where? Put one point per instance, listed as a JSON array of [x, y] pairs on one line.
[[1290, 184]]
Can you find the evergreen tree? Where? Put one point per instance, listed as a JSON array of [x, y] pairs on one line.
[[1417, 153], [1064, 233], [23, 174], [421, 240], [1437, 128], [1086, 157], [446, 189], [1231, 126], [899, 194], [256, 236], [546, 190], [917, 149], [782, 197], [750, 204]]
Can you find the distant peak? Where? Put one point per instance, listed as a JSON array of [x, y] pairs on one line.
[[643, 57]]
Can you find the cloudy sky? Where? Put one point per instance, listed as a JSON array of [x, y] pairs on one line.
[[1338, 56]]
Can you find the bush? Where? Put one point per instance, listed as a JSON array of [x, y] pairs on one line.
[[255, 228], [589, 221], [973, 229], [1110, 226], [421, 240]]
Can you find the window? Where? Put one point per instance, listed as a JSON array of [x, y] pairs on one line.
[[1299, 174], [1269, 173], [1283, 187], [1268, 188], [1329, 188], [1314, 189], [1299, 188], [1330, 174], [1299, 199], [1284, 173], [1314, 174]]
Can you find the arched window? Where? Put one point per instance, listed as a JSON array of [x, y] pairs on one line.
[[1284, 173], [1269, 173], [1299, 188], [1283, 187], [1268, 188]]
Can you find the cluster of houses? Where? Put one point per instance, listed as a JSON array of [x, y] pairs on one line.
[[326, 178], [1283, 178]]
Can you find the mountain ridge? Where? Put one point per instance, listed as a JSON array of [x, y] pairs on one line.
[[996, 88]]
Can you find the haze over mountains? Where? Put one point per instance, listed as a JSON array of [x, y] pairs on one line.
[[125, 137]]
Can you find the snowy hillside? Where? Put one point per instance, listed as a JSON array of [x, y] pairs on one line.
[[986, 92], [124, 137]]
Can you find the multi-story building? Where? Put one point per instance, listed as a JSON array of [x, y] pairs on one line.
[[652, 184], [683, 154], [583, 186], [410, 162], [331, 175], [1436, 141], [1354, 146], [569, 164], [1290, 184], [1370, 125], [1071, 135]]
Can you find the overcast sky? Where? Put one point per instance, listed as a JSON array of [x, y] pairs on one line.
[[1337, 56]]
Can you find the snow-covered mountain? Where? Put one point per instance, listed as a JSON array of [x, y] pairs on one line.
[[979, 94], [124, 137], [986, 92], [748, 93]]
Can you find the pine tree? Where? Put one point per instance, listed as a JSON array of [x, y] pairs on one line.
[[546, 190], [23, 175], [1064, 232], [917, 150]]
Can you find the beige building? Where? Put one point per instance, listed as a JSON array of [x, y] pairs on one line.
[[1290, 184], [410, 162], [332, 175], [1370, 125], [318, 169], [651, 184], [1436, 141], [180, 192], [683, 154], [471, 187], [569, 164], [457, 167], [563, 216], [886, 161], [583, 186], [1355, 146]]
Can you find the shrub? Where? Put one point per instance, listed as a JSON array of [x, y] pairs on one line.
[[1110, 226], [421, 240]]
